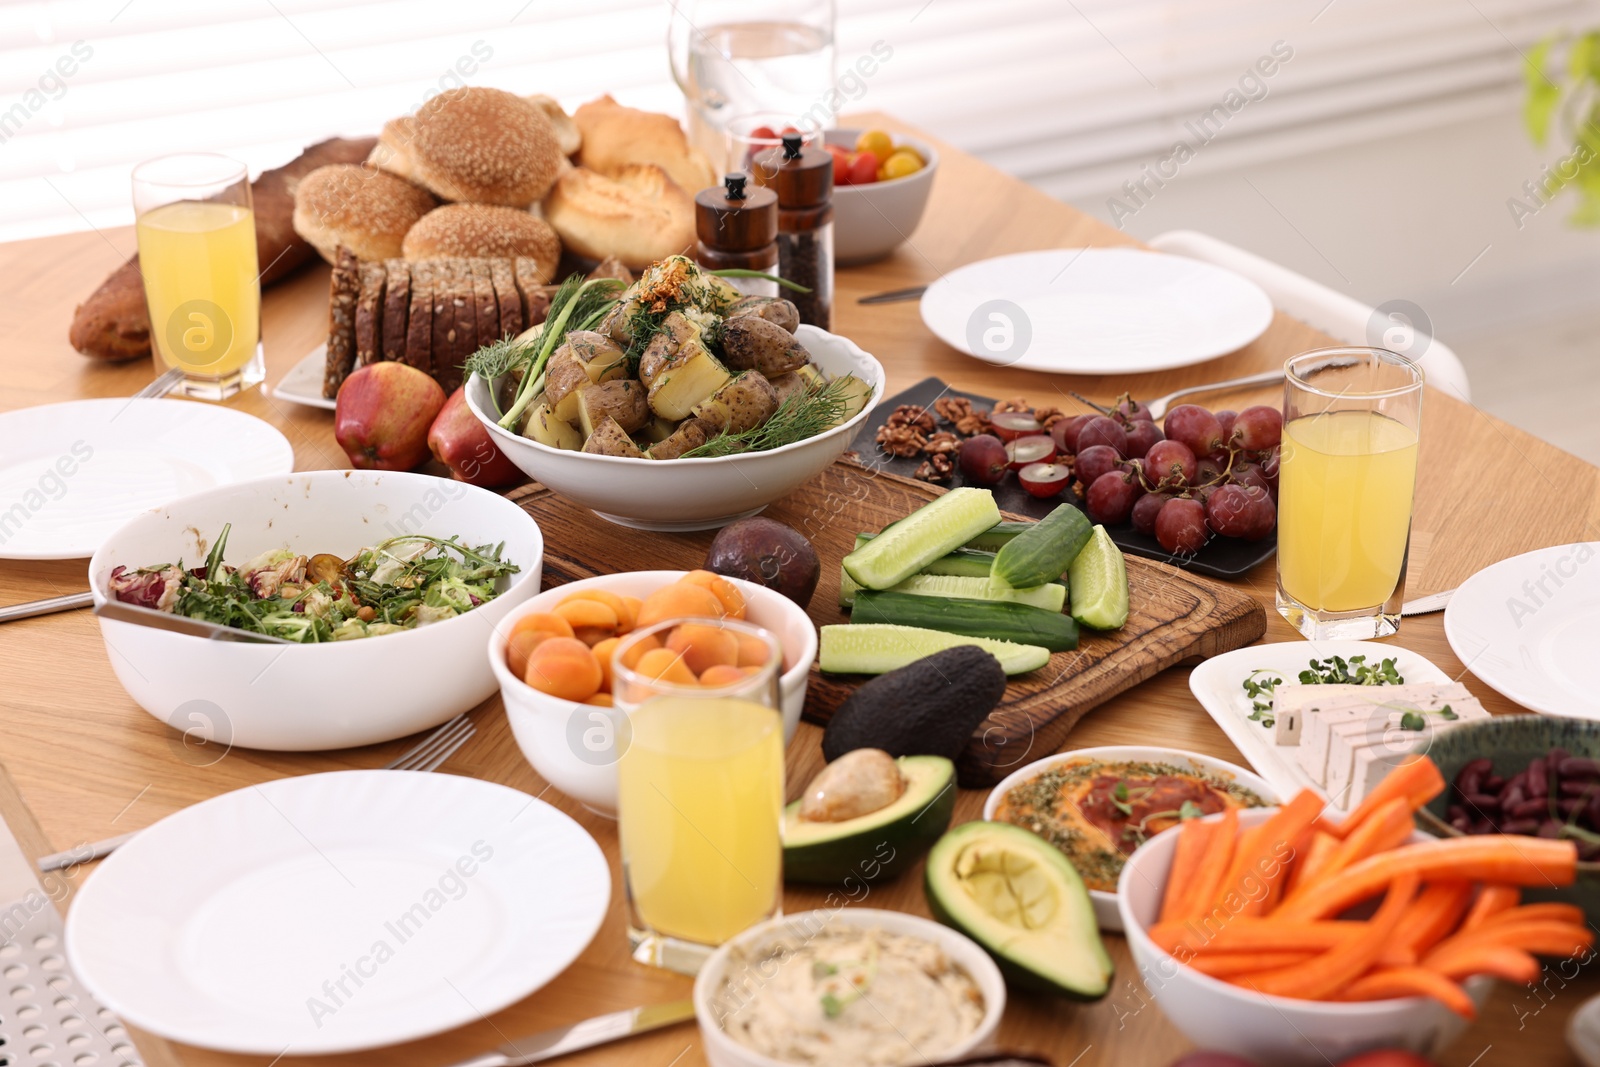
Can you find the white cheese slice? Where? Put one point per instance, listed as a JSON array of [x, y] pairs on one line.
[[1308, 705], [1361, 752]]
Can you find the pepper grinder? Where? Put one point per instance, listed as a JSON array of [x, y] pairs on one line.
[[738, 229], [803, 178]]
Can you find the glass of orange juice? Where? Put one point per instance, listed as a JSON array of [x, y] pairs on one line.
[[1348, 468], [197, 253], [699, 785]]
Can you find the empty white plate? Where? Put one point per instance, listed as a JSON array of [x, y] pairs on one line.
[[334, 912], [72, 473], [1218, 684], [1095, 311], [1526, 627], [303, 382]]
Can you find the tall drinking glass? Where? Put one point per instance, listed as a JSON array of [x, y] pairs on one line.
[[1347, 472], [737, 57], [699, 785], [197, 252]]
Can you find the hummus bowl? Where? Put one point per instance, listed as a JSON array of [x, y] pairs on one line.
[[739, 974], [1220, 775]]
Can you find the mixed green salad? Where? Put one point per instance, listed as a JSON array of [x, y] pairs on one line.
[[399, 584]]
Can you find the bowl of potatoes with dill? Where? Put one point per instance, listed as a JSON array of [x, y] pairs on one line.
[[675, 402]]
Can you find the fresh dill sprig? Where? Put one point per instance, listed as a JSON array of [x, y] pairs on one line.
[[800, 416], [576, 302]]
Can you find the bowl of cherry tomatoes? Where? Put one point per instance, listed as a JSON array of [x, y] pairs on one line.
[[880, 189]]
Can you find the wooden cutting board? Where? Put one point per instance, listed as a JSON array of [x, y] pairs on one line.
[[1174, 615]]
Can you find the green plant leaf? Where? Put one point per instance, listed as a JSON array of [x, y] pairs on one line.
[[1543, 94]]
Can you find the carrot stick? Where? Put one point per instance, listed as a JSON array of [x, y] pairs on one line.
[[1384, 829], [1263, 855], [1436, 911], [1562, 913], [1540, 938], [1213, 867], [1416, 781], [1501, 961], [1195, 836], [1228, 964], [1250, 934], [1387, 982], [1319, 978], [1492, 899], [1309, 863], [1484, 858]]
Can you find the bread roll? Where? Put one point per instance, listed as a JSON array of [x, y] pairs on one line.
[[475, 145], [567, 135], [615, 136], [362, 208], [639, 216], [483, 230]]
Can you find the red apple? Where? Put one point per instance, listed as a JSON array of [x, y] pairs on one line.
[[461, 442], [382, 415]]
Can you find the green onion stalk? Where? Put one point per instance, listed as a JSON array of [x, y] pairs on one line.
[[740, 272], [563, 307]]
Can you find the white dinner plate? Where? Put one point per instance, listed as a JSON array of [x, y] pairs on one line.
[[72, 473], [334, 912], [1095, 310], [1526, 627], [1218, 684], [303, 383]]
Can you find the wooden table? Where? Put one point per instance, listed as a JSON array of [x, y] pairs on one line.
[[82, 761]]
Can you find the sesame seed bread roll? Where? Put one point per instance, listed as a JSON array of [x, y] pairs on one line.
[[476, 145], [484, 230], [366, 210]]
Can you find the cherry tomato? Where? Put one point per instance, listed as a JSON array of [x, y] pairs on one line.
[[863, 169], [790, 129], [899, 165], [1387, 1058], [877, 142], [841, 164], [763, 133]]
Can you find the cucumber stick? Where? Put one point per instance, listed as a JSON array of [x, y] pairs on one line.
[[1099, 578], [997, 537], [963, 562], [1049, 597], [879, 649], [1043, 552], [975, 618], [917, 540]]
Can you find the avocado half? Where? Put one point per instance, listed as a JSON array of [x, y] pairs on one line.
[[879, 844], [1016, 895]]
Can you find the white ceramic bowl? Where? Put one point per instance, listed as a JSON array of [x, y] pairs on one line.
[[723, 1051], [871, 221], [690, 494], [1269, 1029], [298, 698], [1105, 903], [557, 736]]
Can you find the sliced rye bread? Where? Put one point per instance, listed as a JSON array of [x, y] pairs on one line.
[[505, 293], [488, 311], [464, 332], [419, 327], [369, 314], [344, 286], [535, 295], [396, 305], [444, 319]]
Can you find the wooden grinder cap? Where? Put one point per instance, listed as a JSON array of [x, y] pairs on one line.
[[803, 177], [736, 217]]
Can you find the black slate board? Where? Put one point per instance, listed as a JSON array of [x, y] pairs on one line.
[[1222, 557]]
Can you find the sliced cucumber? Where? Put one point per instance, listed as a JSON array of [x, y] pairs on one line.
[[963, 562], [1044, 552], [997, 537], [1099, 580], [876, 648], [1049, 597], [922, 537], [1008, 621]]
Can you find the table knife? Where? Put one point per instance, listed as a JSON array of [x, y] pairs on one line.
[[895, 296], [1426, 605], [602, 1029], [166, 620]]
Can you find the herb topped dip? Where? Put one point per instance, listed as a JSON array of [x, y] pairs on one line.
[[848, 995]]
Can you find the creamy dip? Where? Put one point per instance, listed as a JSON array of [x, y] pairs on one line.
[[848, 995]]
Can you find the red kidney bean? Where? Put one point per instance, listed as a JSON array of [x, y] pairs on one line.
[[1594, 810], [1456, 811], [1528, 808], [1482, 801], [1470, 778], [1520, 826], [1577, 787], [1538, 783], [1550, 828], [1579, 766], [1493, 784], [1572, 805]]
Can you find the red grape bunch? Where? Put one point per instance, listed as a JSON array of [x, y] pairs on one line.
[[1199, 474]]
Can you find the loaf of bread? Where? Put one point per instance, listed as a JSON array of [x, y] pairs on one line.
[[114, 323], [638, 216], [614, 136]]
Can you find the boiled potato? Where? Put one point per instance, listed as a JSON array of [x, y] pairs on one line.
[[616, 324], [602, 359], [622, 400], [742, 404], [787, 385], [676, 342], [752, 343], [774, 309], [544, 427], [677, 389], [659, 429], [691, 433], [564, 376], [609, 439]]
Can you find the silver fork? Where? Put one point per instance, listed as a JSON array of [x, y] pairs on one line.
[[1158, 406], [161, 386], [428, 755]]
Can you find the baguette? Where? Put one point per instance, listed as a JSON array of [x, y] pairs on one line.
[[419, 328], [344, 287], [505, 292], [369, 314], [396, 303]]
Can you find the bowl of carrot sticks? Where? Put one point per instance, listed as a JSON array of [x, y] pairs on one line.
[[1285, 937]]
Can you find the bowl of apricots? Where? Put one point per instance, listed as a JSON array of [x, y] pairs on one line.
[[553, 659]]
